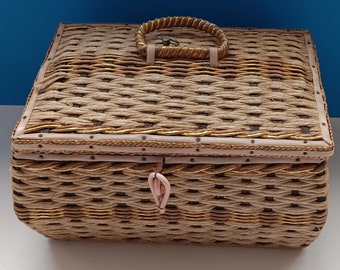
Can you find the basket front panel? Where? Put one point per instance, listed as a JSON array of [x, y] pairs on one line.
[[254, 204]]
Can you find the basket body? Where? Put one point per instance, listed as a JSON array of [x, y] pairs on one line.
[[260, 205], [244, 145]]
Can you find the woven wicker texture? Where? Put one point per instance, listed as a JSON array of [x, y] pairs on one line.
[[254, 204], [95, 81], [98, 83]]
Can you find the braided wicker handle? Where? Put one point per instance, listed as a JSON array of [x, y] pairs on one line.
[[182, 52]]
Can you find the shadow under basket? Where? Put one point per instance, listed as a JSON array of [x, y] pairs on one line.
[[208, 135]]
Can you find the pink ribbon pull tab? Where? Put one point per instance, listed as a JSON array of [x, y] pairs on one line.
[[160, 195]]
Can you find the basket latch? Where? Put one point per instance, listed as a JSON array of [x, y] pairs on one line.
[[160, 187], [167, 41]]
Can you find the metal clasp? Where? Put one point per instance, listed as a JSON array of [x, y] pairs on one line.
[[167, 41]]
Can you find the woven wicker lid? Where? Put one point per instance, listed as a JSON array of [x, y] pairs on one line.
[[96, 96]]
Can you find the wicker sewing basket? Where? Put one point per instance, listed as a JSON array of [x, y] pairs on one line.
[[233, 120]]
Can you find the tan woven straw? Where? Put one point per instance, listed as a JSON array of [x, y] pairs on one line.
[[238, 116]]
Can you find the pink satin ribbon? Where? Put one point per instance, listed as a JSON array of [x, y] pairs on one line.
[[161, 196]]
